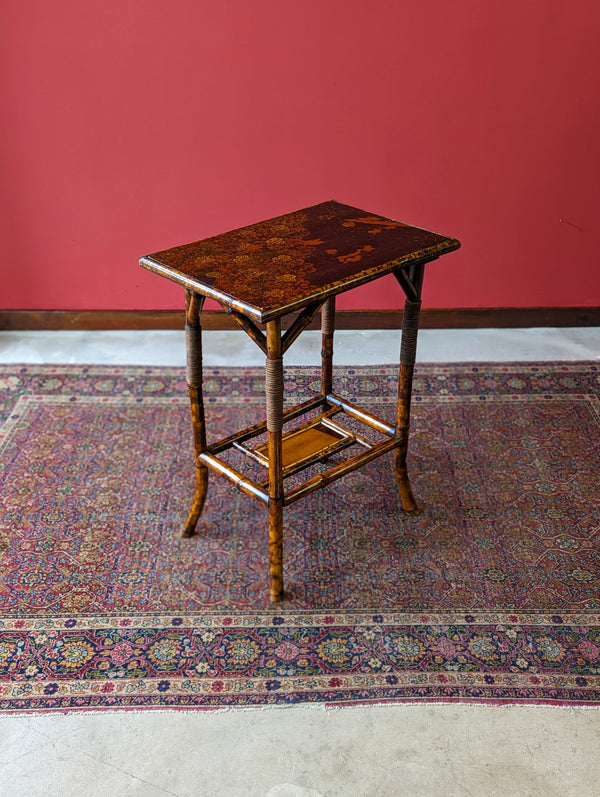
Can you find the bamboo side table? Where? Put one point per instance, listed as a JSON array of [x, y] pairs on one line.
[[298, 263]]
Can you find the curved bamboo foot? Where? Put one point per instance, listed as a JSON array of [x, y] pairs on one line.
[[409, 504], [198, 504]]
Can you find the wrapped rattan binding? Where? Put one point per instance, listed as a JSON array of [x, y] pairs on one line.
[[193, 348], [410, 328], [274, 394], [328, 316]]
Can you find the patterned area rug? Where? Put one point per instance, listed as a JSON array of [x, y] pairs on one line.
[[490, 595]]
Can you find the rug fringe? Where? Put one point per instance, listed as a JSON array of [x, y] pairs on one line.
[[321, 707]]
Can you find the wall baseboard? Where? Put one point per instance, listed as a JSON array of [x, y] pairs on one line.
[[460, 318]]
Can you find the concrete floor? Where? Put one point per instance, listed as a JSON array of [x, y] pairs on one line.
[[351, 347], [304, 751]]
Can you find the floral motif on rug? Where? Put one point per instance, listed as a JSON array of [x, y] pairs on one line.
[[490, 594]]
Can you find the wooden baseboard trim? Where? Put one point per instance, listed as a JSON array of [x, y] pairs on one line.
[[459, 318]]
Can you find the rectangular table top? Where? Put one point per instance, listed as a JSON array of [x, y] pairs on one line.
[[276, 266]]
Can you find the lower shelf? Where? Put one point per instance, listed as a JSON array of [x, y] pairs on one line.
[[309, 444], [314, 441]]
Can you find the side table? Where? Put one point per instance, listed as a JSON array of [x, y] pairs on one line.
[[298, 263]]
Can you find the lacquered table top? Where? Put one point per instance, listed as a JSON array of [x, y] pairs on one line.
[[282, 264]]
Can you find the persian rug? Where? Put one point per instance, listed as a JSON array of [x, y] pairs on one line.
[[491, 594]]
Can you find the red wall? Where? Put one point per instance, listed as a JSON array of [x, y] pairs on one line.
[[133, 125]]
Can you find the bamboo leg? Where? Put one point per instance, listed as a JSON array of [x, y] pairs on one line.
[[193, 333], [327, 329], [274, 397], [410, 328]]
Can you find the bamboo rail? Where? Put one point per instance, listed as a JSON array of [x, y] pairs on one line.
[[260, 428], [361, 415], [242, 483], [341, 470]]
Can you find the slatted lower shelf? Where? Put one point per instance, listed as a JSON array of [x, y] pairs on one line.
[[306, 445]]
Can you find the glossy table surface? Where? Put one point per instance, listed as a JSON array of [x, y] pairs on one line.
[[280, 265]]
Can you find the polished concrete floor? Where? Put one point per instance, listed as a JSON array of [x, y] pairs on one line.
[[304, 751], [351, 347]]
